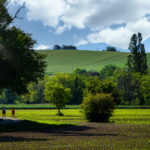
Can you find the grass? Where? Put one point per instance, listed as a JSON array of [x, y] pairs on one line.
[[35, 106], [42, 129], [67, 61], [74, 116], [51, 106]]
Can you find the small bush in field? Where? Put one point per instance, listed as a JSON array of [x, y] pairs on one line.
[[98, 107]]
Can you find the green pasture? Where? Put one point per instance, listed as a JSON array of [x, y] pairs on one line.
[[42, 129], [68, 60], [74, 116]]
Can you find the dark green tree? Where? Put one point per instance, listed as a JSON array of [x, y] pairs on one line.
[[110, 48], [19, 63], [107, 71], [137, 60]]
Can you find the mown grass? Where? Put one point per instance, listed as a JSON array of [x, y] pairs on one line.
[[42, 129], [68, 60], [74, 116]]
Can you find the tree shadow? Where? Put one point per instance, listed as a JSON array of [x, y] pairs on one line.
[[19, 139], [62, 129]]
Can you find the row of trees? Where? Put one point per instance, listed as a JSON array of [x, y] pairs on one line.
[[64, 47]]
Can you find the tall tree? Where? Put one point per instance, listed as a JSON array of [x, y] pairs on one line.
[[137, 60], [19, 63]]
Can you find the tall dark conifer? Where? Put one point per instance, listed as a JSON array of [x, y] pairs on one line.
[[137, 60]]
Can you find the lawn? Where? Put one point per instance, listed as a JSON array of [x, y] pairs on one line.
[[128, 129]]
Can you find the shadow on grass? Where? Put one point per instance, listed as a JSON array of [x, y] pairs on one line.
[[19, 139], [57, 130]]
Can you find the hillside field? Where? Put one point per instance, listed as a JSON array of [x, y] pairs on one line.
[[68, 60]]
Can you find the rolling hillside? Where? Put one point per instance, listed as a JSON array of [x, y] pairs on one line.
[[68, 60]]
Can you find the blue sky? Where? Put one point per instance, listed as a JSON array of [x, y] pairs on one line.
[[84, 22]]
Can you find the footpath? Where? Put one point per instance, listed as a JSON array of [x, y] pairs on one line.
[[9, 120]]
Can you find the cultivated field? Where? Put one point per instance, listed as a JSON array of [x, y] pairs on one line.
[[67, 61], [42, 129]]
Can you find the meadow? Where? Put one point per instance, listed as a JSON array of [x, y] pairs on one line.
[[42, 129], [68, 60]]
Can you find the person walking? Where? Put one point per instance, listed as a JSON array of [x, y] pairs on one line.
[[13, 112], [4, 112]]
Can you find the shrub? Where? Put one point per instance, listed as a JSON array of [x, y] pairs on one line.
[[98, 107]]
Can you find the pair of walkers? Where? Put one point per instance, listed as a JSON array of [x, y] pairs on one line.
[[4, 112]]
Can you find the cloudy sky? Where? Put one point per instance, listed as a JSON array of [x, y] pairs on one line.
[[82, 22]]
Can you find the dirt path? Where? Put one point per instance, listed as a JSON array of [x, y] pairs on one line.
[[9, 120]]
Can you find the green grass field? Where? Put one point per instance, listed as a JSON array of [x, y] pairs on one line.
[[71, 116], [42, 129], [67, 61]]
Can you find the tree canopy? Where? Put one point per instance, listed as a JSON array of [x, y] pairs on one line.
[[110, 48], [137, 60], [19, 63]]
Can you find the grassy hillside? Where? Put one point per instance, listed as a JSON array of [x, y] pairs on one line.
[[68, 60]]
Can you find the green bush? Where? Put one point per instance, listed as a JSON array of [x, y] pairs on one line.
[[98, 107]]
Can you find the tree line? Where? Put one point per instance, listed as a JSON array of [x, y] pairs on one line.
[[64, 47]]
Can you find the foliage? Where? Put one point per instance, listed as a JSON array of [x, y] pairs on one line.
[[73, 82], [64, 47], [98, 107], [19, 63], [95, 86], [8, 97], [80, 71], [93, 73], [57, 94], [137, 60], [68, 47], [35, 93], [145, 88], [107, 71], [77, 90], [130, 87], [110, 48], [57, 47]]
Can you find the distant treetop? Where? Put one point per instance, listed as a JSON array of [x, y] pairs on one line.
[[110, 48], [64, 47]]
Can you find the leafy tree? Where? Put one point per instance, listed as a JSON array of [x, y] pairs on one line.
[[8, 97], [108, 71], [77, 90], [19, 63], [57, 94], [57, 47], [68, 47], [93, 73], [35, 93], [98, 107], [145, 88], [93, 86], [80, 71], [110, 48], [137, 60], [96, 86], [130, 86]]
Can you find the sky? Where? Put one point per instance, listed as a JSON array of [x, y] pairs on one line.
[[83, 22]]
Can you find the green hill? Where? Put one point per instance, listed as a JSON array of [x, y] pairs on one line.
[[68, 60]]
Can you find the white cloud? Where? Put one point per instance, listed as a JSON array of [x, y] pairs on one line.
[[119, 37], [42, 47], [85, 13], [97, 15], [81, 42]]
